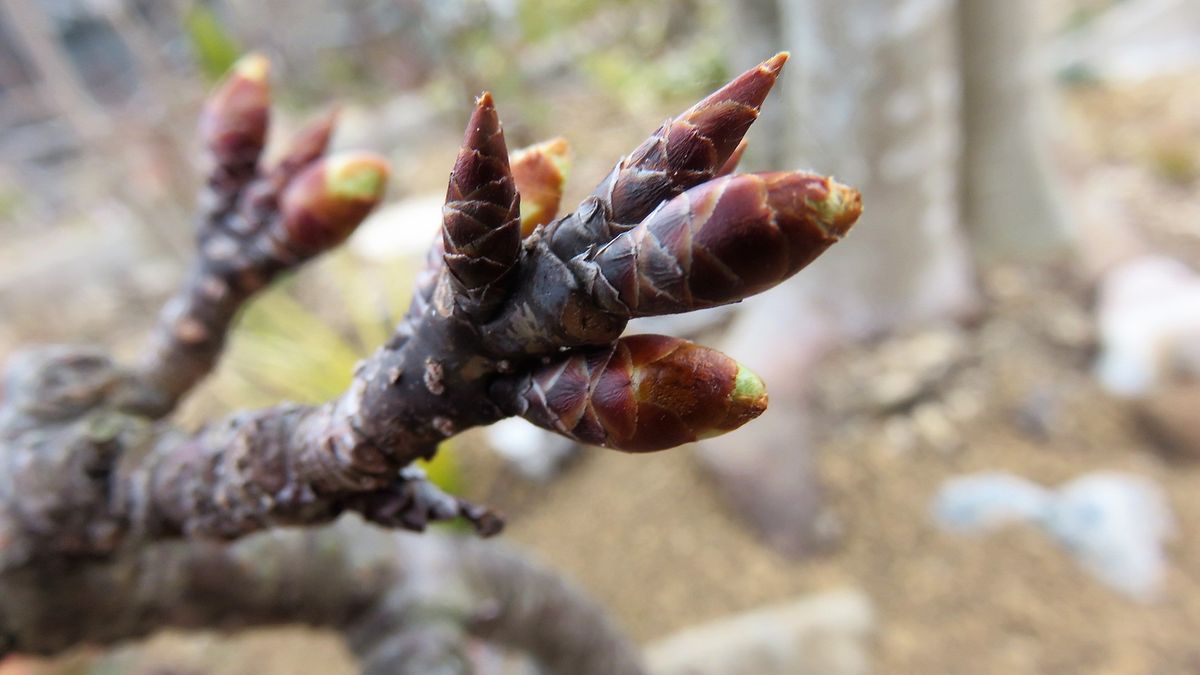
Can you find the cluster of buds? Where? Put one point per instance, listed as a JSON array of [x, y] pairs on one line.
[[671, 229], [518, 311], [258, 222]]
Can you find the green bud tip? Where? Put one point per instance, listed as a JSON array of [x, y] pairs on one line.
[[747, 400], [360, 176], [839, 209], [559, 153], [254, 67], [748, 388]]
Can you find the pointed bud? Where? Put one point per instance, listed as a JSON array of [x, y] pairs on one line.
[[233, 124], [306, 147], [684, 152], [323, 205], [723, 241], [481, 226], [645, 393], [540, 172], [731, 164], [691, 148]]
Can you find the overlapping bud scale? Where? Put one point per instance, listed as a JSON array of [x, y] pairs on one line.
[[323, 205], [722, 241], [691, 148], [481, 227], [644, 393]]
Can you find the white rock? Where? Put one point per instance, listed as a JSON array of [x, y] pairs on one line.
[[822, 634], [1115, 524], [1149, 321], [987, 501], [405, 228], [535, 453]]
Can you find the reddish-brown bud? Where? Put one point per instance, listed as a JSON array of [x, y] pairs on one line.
[[481, 226], [731, 164], [233, 124], [691, 148], [684, 152], [323, 205], [644, 393], [540, 172], [306, 147], [722, 241]]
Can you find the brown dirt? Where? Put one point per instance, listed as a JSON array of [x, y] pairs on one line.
[[647, 536]]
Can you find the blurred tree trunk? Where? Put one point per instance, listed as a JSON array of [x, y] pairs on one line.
[[871, 95], [1010, 202], [874, 95]]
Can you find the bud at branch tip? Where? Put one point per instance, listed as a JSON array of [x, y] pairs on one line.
[[254, 66], [361, 176]]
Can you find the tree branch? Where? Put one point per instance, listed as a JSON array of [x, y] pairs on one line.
[[255, 224], [371, 585]]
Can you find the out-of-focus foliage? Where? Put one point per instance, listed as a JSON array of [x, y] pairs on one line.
[[640, 53], [10, 202], [540, 19], [1176, 160], [622, 71], [1086, 12], [214, 47]]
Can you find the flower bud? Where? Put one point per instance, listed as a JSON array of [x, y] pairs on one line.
[[323, 205], [481, 227], [723, 241], [233, 124], [306, 147], [644, 393], [691, 148], [686, 151], [540, 171]]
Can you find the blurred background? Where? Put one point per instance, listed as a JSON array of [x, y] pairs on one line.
[[983, 442]]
